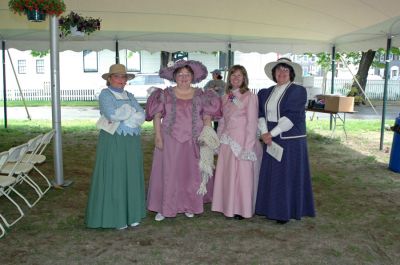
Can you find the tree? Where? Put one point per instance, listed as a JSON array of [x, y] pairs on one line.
[[325, 62], [360, 79], [164, 59], [39, 54], [363, 59]]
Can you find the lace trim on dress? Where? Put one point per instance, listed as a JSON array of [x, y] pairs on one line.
[[237, 149], [196, 104]]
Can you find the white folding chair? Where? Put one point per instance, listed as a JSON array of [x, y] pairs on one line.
[[13, 167], [3, 231], [45, 141], [6, 187], [37, 157], [32, 156]]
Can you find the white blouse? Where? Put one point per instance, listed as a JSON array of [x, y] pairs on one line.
[[284, 124], [271, 111]]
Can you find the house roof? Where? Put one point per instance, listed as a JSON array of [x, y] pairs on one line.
[[249, 26]]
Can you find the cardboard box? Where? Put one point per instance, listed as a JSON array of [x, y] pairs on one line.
[[338, 103]]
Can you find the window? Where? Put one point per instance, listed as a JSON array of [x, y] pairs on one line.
[[223, 60], [133, 61], [90, 63], [21, 66], [394, 72], [176, 56], [40, 66]]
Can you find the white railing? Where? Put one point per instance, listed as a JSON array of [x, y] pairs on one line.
[[374, 90], [45, 94]]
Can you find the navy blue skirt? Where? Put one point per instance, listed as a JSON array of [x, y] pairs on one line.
[[284, 188]]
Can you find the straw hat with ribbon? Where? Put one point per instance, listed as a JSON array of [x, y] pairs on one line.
[[118, 69]]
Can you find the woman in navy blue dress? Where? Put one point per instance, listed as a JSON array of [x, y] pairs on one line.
[[284, 188]]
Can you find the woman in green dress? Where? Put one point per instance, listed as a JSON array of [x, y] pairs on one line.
[[116, 198]]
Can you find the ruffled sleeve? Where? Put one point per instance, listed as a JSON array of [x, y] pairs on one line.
[[211, 104], [155, 104], [251, 126]]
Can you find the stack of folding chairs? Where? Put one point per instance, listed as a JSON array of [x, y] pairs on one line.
[[16, 166]]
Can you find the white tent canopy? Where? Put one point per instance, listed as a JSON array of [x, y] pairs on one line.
[[282, 26], [263, 26]]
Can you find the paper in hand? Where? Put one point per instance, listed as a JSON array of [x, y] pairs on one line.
[[275, 150]]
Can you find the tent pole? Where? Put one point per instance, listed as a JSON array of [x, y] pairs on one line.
[[332, 81], [116, 52], [55, 103], [388, 47], [230, 56], [19, 86], [3, 48]]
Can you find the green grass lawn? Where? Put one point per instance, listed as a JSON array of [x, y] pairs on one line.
[[357, 201]]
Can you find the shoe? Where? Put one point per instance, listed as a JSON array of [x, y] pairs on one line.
[[159, 217], [122, 228], [135, 224], [238, 217], [281, 222], [189, 215]]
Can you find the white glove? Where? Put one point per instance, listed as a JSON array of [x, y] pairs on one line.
[[135, 120], [122, 113]]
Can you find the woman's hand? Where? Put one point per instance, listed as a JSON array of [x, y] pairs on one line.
[[267, 138], [207, 120], [158, 141]]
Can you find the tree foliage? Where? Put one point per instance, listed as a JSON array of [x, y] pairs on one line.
[[364, 60], [39, 54]]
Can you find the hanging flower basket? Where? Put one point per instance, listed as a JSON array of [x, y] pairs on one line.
[[77, 25], [77, 33], [36, 10], [35, 15]]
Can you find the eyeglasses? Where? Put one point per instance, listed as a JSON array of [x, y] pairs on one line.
[[182, 75], [117, 76]]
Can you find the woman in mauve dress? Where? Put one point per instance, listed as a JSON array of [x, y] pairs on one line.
[[179, 114]]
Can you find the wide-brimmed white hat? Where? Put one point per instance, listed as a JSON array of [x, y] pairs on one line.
[[118, 69], [298, 70]]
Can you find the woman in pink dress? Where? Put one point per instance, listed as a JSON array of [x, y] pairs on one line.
[[179, 114], [240, 151]]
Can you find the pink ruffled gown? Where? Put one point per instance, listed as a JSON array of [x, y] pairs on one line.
[[236, 176], [175, 175]]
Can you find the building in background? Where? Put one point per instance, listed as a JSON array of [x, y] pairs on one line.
[[81, 71]]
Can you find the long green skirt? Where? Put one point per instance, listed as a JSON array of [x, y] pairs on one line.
[[116, 196]]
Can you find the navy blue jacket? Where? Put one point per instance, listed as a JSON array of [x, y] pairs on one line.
[[291, 105]]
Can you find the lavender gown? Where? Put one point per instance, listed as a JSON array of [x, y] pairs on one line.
[[175, 175]]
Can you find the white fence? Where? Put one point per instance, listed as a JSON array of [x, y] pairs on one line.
[[45, 94], [374, 90]]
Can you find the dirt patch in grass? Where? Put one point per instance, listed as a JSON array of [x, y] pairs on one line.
[[357, 200]]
